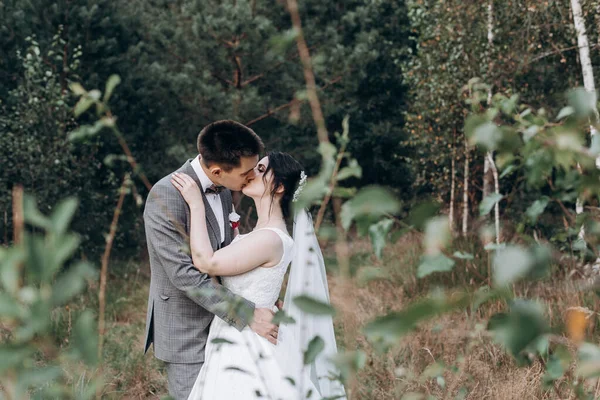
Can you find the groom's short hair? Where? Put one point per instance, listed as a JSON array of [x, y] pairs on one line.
[[225, 142]]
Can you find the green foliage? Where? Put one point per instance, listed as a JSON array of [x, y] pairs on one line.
[[548, 156], [38, 276], [315, 347], [520, 327], [387, 330], [182, 66], [312, 306]]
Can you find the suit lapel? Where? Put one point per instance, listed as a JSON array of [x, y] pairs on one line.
[[226, 201], [210, 215]]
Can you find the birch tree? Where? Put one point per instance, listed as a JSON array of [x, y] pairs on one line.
[[588, 79], [489, 164]]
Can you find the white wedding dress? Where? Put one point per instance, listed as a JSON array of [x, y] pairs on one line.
[[243, 365]]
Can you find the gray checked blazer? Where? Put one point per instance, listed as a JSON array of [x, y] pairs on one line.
[[182, 300]]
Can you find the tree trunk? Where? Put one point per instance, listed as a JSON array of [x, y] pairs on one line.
[[465, 220], [588, 77], [497, 190], [490, 37], [584, 58], [452, 185], [490, 164]]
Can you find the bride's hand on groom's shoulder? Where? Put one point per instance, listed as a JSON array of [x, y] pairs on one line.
[[262, 325], [188, 189]]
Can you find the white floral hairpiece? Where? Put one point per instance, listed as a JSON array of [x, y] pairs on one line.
[[301, 185]]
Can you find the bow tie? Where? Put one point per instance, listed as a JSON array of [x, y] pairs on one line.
[[214, 189]]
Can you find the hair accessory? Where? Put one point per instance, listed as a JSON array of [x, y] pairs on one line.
[[301, 185]]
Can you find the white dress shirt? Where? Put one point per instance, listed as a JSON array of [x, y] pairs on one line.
[[213, 199]]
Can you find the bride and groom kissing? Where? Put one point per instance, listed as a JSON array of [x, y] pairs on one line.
[[213, 290]]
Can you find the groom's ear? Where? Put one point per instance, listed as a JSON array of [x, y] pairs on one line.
[[216, 171]]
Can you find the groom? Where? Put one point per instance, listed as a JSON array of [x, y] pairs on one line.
[[183, 300]]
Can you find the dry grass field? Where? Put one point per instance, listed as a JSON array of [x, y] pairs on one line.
[[476, 368]]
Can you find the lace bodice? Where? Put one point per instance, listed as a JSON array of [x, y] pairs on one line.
[[262, 285]]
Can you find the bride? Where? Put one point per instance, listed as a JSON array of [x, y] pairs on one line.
[[242, 365]]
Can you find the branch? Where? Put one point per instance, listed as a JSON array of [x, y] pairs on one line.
[[104, 269], [279, 64], [290, 104], [311, 87], [321, 212], [18, 218], [134, 165]]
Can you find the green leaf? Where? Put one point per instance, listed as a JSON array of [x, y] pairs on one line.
[[111, 84], [352, 170], [569, 141], [463, 256], [372, 201], [368, 274], [557, 365], [537, 208], [582, 102], [420, 214], [344, 192], [37, 259], [281, 317], [39, 376], [434, 263], [313, 306], [595, 145], [390, 328], [315, 347], [94, 94], [9, 308], [63, 214], [85, 337], [487, 135], [32, 215], [488, 203], [77, 89], [521, 326], [221, 341], [588, 355], [85, 132], [64, 248], [9, 268], [71, 282], [565, 112], [282, 42], [378, 233], [437, 235], [473, 122], [317, 187], [511, 264], [11, 357], [83, 105], [507, 171], [398, 234], [348, 363]]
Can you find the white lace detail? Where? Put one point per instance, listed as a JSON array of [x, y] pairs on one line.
[[262, 285]]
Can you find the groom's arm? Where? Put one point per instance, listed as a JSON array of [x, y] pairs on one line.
[[164, 217]]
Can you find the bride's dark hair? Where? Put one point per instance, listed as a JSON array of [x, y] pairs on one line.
[[286, 173]]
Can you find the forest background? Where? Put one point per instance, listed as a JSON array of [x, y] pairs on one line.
[[463, 130]]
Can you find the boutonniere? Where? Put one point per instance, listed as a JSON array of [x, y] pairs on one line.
[[234, 218]]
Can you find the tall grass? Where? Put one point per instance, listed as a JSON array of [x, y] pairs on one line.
[[478, 368], [127, 372]]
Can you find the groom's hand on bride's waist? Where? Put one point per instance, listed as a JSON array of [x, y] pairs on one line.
[[262, 325]]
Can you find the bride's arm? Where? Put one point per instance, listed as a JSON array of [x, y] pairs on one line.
[[265, 248]]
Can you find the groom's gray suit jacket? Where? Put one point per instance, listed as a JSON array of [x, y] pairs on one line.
[[182, 300]]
